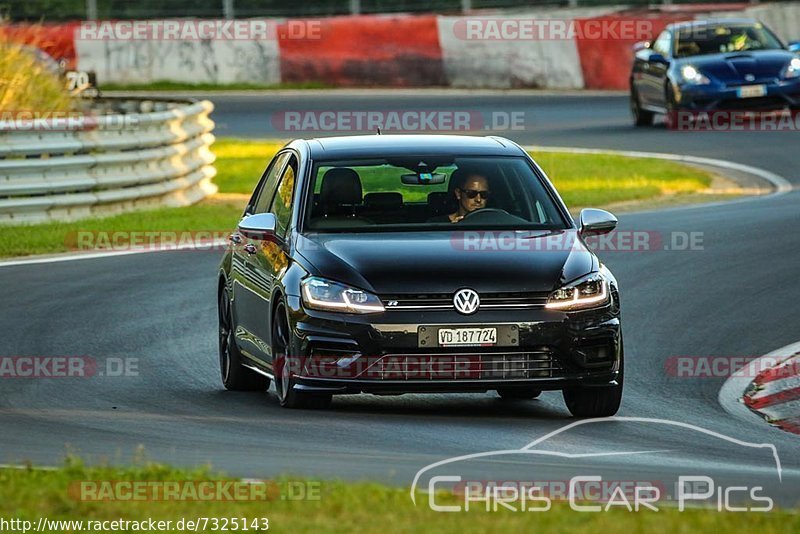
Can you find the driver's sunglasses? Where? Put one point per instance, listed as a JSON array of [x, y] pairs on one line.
[[472, 193]]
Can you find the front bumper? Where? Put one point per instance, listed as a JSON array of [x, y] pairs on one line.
[[382, 353], [779, 95]]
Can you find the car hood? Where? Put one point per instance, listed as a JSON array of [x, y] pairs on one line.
[[763, 65], [442, 262]]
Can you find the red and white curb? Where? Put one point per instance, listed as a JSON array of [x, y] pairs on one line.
[[775, 394], [771, 392]]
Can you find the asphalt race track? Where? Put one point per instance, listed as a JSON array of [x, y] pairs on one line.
[[739, 296]]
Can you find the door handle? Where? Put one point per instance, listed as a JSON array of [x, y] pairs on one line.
[[250, 248], [235, 238]]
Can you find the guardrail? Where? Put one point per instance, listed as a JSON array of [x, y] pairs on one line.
[[142, 154]]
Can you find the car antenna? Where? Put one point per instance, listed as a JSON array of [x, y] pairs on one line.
[[379, 130]]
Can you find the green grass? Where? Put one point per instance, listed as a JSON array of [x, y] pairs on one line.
[[240, 163], [582, 180], [48, 238], [165, 85], [25, 83], [339, 507], [599, 180]]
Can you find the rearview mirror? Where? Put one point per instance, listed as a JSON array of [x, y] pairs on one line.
[[596, 222], [260, 226], [423, 178]]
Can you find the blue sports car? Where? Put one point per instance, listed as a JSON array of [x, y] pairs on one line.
[[713, 65]]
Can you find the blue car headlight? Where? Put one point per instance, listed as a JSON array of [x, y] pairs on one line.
[[693, 76], [792, 69], [326, 295]]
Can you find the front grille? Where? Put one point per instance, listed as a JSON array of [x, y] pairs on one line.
[[444, 301], [470, 366]]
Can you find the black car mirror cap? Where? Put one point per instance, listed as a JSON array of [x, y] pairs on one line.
[[260, 226], [596, 222]]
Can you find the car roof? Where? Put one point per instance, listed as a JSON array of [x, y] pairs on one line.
[[710, 22], [375, 146]]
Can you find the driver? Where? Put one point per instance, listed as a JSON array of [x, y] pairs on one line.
[[472, 192]]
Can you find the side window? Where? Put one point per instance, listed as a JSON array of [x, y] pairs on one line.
[[263, 195], [662, 44], [282, 203]]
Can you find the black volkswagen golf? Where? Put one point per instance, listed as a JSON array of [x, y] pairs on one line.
[[392, 264]]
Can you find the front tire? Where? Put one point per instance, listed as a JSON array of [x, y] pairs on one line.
[[671, 115], [641, 117], [284, 365], [597, 401], [235, 377]]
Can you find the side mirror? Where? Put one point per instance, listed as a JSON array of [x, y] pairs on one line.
[[260, 226], [794, 46], [596, 222], [655, 57], [641, 45]]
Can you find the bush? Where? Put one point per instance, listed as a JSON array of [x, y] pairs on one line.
[[27, 82]]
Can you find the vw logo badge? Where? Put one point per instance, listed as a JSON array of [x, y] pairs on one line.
[[466, 301], [749, 77]]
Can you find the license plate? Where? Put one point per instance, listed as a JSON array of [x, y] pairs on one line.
[[752, 91], [481, 337]]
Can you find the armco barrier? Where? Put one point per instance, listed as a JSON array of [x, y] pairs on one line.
[[108, 164]]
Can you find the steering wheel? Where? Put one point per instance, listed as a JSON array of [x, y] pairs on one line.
[[485, 211]]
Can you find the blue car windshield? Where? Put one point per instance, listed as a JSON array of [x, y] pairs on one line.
[[706, 39], [442, 194]]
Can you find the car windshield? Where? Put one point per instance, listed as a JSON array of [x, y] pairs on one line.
[[415, 193], [723, 39]]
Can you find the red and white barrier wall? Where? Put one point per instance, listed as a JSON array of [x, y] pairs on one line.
[[395, 51]]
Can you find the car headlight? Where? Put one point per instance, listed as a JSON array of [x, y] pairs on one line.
[[793, 69], [692, 75], [321, 294], [587, 292]]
